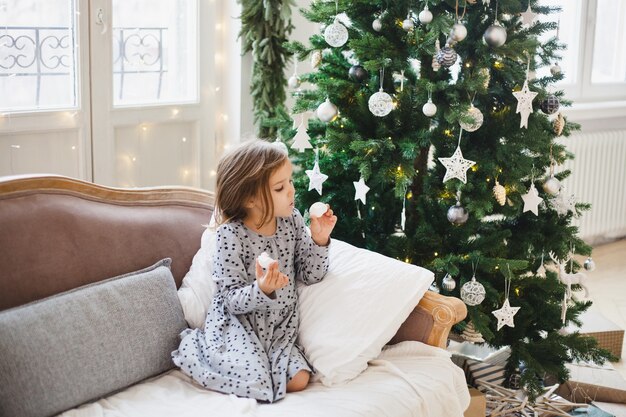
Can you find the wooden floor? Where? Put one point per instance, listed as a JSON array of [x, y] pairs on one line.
[[607, 287]]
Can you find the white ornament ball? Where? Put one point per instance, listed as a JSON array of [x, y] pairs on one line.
[[425, 16], [377, 25], [336, 34], [552, 186], [327, 111], [589, 265], [265, 260], [380, 104], [459, 32], [294, 82], [457, 214], [555, 70], [429, 109], [318, 209], [477, 117], [408, 24], [434, 287], [495, 35], [473, 292], [448, 283]]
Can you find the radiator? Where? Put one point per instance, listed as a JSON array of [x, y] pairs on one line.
[[599, 178]]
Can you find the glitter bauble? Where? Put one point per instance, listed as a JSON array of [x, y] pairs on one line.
[[457, 214], [380, 104], [327, 111], [446, 56], [473, 292], [336, 34], [495, 35], [477, 117]]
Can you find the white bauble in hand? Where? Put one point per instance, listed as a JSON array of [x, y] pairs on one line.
[[318, 209], [265, 260]]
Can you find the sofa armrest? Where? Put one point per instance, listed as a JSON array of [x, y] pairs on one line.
[[430, 322]]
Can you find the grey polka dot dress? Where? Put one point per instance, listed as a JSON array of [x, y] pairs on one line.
[[248, 347]]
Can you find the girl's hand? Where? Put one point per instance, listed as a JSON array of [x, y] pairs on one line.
[[322, 226], [272, 280]]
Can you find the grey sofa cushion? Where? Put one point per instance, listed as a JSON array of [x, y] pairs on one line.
[[73, 347]]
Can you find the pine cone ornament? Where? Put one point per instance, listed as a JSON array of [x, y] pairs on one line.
[[470, 334], [559, 124], [499, 192]]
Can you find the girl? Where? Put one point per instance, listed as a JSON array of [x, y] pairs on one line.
[[248, 345]]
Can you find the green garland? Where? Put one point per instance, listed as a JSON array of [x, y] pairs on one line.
[[265, 26]]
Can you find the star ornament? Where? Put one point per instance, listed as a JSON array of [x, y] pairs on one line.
[[316, 178], [532, 200], [360, 190], [525, 99], [528, 17], [456, 166], [505, 314]]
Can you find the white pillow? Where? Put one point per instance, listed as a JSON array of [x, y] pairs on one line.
[[197, 289], [347, 319]]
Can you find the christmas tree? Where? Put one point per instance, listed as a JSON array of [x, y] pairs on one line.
[[427, 131]]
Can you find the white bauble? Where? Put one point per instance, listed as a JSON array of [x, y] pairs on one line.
[[459, 32], [429, 109], [294, 81], [473, 292], [336, 34], [318, 209], [495, 35], [408, 24], [327, 111], [555, 70], [589, 264], [265, 260], [377, 25], [478, 118], [457, 214], [552, 186], [448, 283], [425, 16], [380, 104]]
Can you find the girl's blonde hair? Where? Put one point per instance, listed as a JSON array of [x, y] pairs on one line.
[[244, 173]]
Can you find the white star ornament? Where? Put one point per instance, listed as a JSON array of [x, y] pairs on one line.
[[316, 178], [525, 99], [505, 314], [456, 166], [360, 190], [532, 200]]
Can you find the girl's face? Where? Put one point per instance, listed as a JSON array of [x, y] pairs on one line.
[[282, 190]]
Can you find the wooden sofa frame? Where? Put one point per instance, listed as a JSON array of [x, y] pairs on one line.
[[58, 233]]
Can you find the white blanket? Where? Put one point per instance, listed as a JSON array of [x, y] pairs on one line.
[[407, 379]]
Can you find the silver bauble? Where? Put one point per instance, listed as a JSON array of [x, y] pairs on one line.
[[429, 109], [446, 56], [457, 214], [327, 111], [495, 35], [458, 32], [294, 81], [555, 69], [408, 24], [589, 265], [434, 287], [380, 104], [473, 292], [377, 25], [448, 283], [477, 117], [552, 186], [336, 34], [425, 16]]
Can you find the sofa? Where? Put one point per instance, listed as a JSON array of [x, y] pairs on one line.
[[88, 307]]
